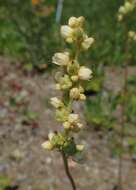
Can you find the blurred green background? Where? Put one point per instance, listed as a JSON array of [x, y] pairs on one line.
[[29, 32]]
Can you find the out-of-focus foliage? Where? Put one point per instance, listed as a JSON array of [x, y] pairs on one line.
[[28, 29], [131, 101], [102, 22], [103, 113], [4, 182], [99, 112]]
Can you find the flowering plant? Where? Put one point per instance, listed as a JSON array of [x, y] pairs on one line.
[[70, 82], [124, 10]]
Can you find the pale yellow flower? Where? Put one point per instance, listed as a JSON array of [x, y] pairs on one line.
[[73, 22], [66, 125], [86, 44], [47, 145], [80, 147], [57, 103], [84, 73], [67, 32], [80, 125], [50, 136], [74, 78], [122, 10], [74, 93], [76, 21], [132, 35], [81, 20], [61, 59], [82, 97], [120, 17], [73, 118], [128, 6]]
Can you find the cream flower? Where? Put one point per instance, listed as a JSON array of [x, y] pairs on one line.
[[84, 73], [66, 125], [76, 21], [82, 97], [50, 136], [61, 59], [67, 32], [56, 102], [80, 147], [47, 145], [74, 93], [73, 118], [74, 78], [73, 22], [131, 34], [81, 20], [65, 82], [128, 6], [80, 125], [122, 10], [86, 44], [120, 17]]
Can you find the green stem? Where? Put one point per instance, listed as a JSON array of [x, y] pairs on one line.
[[122, 134], [123, 116], [69, 102], [65, 161]]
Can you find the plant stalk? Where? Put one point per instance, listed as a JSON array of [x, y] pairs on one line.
[[123, 116], [65, 161]]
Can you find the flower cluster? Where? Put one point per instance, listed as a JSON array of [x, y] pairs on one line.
[[70, 81], [128, 7], [73, 32]]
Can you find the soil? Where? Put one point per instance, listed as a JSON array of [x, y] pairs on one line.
[[22, 158]]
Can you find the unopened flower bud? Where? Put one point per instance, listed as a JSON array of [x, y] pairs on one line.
[[81, 89], [132, 35], [86, 44], [81, 20], [128, 6], [80, 147], [82, 97], [76, 22], [66, 125], [74, 93], [66, 32], [50, 136], [84, 73], [120, 17], [65, 82], [69, 40], [74, 78], [61, 59], [73, 22], [56, 102], [73, 118], [122, 10], [47, 145], [80, 125], [58, 87]]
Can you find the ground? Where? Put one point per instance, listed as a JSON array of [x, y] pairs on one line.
[[26, 117]]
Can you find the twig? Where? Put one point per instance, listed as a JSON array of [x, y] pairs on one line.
[[65, 161]]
